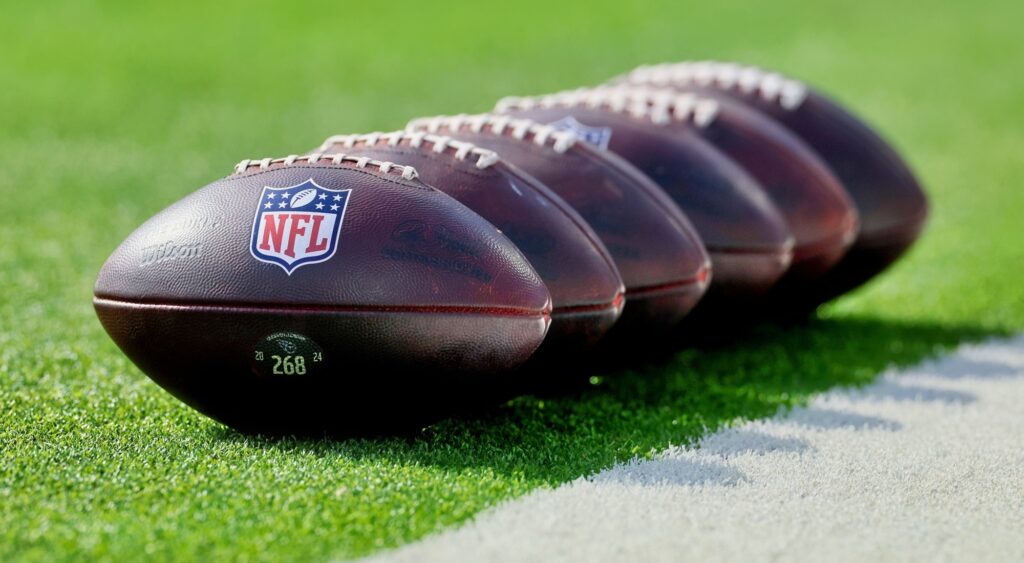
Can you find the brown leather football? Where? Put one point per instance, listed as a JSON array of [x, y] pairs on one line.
[[660, 256], [820, 215], [744, 233], [586, 288], [321, 294], [892, 205]]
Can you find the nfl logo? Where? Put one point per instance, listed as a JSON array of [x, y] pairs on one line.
[[297, 225], [597, 136]]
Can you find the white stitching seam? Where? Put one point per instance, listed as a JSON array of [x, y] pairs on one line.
[[661, 106], [499, 125], [770, 86], [438, 144], [407, 172]]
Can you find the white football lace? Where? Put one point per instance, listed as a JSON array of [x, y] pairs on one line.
[[750, 80], [461, 150], [500, 125], [407, 172], [659, 105]]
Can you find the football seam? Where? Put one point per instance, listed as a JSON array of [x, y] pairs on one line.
[[824, 245], [660, 106], [329, 165], [778, 251], [459, 150], [657, 287], [519, 129], [312, 308], [407, 172], [456, 166], [770, 86], [589, 307]]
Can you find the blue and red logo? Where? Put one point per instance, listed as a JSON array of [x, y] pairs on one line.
[[297, 225], [597, 136]]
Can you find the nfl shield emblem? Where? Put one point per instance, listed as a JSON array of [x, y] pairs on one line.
[[297, 225], [597, 136]]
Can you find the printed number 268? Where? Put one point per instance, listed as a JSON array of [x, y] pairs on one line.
[[289, 365]]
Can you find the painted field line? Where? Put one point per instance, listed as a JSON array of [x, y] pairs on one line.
[[926, 464]]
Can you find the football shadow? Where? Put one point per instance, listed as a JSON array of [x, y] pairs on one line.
[[828, 419], [918, 393], [613, 415]]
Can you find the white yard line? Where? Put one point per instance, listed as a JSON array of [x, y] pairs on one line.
[[927, 464]]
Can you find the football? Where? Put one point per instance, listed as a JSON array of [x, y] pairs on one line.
[[377, 307], [744, 233], [818, 212], [662, 261], [585, 285], [303, 198], [892, 205]]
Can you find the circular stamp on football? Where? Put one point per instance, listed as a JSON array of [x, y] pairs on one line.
[[286, 354], [334, 295]]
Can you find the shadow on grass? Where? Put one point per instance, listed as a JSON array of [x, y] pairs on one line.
[[677, 400]]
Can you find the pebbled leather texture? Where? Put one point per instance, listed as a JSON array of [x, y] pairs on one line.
[[884, 188], [423, 302], [586, 288], [661, 258], [891, 204], [726, 206], [819, 212]]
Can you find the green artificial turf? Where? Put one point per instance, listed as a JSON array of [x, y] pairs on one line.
[[109, 112]]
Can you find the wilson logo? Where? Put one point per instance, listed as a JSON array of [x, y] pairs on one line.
[[297, 225], [169, 251]]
